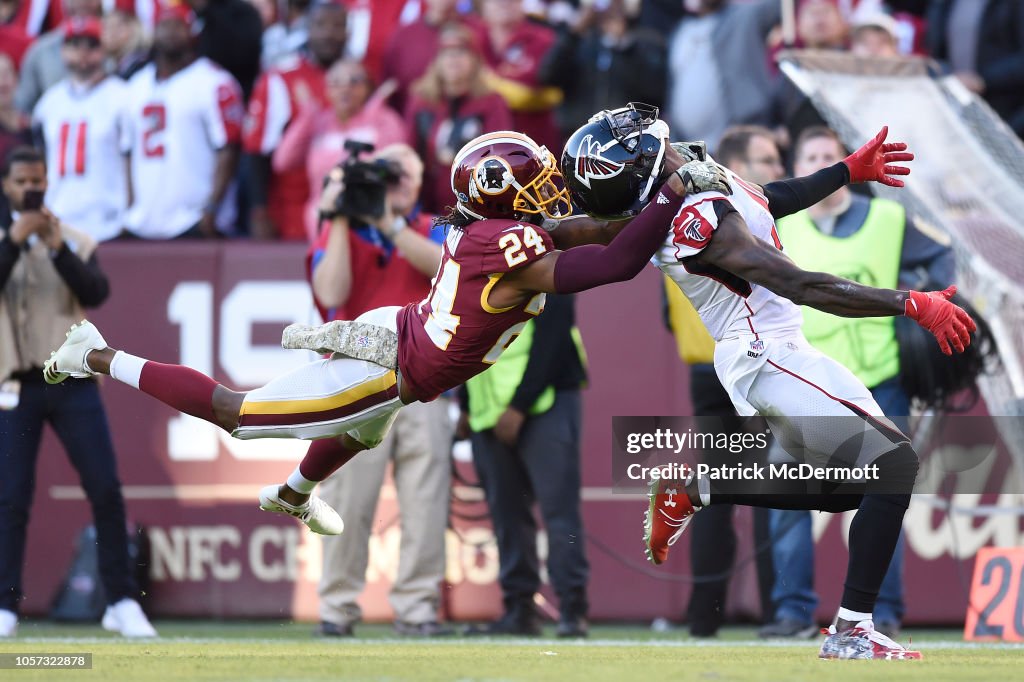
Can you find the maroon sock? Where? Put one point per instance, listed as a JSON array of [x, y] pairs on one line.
[[183, 388], [324, 457]]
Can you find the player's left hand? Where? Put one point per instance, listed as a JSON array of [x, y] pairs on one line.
[[947, 321], [871, 162], [509, 424], [703, 176]]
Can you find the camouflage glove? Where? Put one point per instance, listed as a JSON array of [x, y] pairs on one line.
[[692, 151], [703, 176]]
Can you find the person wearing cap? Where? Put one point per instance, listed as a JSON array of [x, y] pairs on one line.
[[185, 117], [43, 64], [450, 105], [875, 36], [82, 121]]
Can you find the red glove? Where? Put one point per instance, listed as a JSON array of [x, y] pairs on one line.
[[869, 163], [947, 321]]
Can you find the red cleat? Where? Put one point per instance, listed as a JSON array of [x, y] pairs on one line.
[[668, 514], [863, 642]]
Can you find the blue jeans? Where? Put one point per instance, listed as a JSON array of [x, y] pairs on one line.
[[793, 550], [76, 414]]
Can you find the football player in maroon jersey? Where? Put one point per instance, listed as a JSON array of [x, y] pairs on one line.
[[498, 262]]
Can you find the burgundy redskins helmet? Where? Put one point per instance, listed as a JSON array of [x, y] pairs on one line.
[[507, 175]]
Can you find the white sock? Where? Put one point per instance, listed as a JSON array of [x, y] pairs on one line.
[[126, 368], [300, 483], [853, 616], [704, 490]]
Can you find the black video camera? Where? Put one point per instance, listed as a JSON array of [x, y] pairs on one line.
[[366, 183]]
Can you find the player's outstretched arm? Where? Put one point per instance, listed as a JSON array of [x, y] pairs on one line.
[[735, 249], [586, 267], [871, 163], [582, 229]]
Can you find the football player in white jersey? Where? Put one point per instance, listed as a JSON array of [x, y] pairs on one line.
[[723, 252], [82, 121], [186, 126]]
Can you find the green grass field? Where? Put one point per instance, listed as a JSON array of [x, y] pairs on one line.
[[287, 652]]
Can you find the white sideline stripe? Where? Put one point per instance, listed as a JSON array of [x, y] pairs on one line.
[[545, 643], [246, 492]]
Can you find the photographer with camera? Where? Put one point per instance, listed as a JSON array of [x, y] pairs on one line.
[[378, 250], [314, 140], [48, 273]]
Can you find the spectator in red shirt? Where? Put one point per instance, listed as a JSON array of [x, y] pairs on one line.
[[412, 48], [515, 49], [34, 17], [316, 140], [451, 104], [280, 95], [373, 22], [14, 39]]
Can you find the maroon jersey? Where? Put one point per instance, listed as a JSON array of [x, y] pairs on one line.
[[455, 333]]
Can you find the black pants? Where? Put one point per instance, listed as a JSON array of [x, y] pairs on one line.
[[713, 541], [75, 412], [543, 468]]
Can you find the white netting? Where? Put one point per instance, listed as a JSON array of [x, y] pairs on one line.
[[968, 179]]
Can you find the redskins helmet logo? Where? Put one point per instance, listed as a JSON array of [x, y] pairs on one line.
[[592, 165], [492, 175]]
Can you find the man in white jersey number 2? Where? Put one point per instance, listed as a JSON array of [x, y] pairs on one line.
[[724, 254]]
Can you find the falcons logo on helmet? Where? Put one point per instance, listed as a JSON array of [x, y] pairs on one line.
[[591, 165]]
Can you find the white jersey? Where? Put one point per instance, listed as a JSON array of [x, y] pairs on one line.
[[177, 127], [83, 129], [728, 305]]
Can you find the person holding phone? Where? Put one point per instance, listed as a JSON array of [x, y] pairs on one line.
[[48, 273]]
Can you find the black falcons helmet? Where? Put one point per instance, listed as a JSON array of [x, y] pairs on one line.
[[611, 163]]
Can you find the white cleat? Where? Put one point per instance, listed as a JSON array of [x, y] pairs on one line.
[[69, 359], [8, 623], [318, 516], [127, 619]]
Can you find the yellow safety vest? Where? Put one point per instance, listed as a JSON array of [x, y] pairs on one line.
[[491, 391], [693, 341], [866, 346]]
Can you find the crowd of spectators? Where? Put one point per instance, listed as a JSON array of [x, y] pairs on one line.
[[277, 86]]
